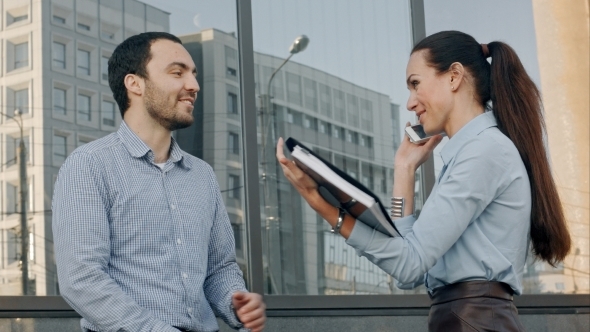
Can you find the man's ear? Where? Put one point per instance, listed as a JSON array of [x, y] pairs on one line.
[[457, 74], [134, 84]]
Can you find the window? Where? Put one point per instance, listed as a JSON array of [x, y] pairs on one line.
[[353, 111], [325, 100], [293, 89], [366, 114], [59, 149], [108, 113], [325, 128], [83, 26], [233, 183], [104, 67], [310, 123], [234, 143], [352, 137], [231, 62], [20, 18], [12, 236], [339, 106], [83, 62], [237, 229], [232, 103], [59, 19], [236, 225], [12, 198], [59, 101], [59, 55], [311, 98], [21, 101], [21, 55], [12, 149], [84, 108], [107, 35], [294, 117], [277, 85], [336, 132]]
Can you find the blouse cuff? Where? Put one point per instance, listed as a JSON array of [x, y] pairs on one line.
[[361, 236]]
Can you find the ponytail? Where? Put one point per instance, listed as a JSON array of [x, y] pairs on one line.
[[518, 109], [517, 105]]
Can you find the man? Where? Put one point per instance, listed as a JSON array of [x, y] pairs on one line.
[[142, 238]]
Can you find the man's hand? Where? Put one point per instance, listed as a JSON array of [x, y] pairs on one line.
[[250, 310]]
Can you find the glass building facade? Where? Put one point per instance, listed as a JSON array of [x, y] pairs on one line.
[[343, 96]]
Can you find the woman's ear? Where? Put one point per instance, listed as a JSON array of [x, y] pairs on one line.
[[456, 75], [134, 84]]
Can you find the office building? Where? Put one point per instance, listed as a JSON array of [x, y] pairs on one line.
[[54, 72]]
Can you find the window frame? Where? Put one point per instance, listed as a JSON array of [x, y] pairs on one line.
[[85, 71], [58, 63], [78, 108], [301, 305], [24, 48]]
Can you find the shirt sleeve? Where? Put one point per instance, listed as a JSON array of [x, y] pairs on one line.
[[404, 225], [224, 276], [82, 251], [472, 183]]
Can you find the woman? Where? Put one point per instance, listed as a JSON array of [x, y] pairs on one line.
[[495, 193]]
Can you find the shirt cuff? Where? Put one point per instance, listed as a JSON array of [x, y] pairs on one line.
[[404, 225], [233, 319], [361, 236]]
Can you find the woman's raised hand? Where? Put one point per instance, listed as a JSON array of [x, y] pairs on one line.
[[304, 184], [410, 155]]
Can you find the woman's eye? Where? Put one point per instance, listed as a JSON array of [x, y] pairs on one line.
[[414, 83]]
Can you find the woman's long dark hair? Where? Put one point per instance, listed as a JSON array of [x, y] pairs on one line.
[[516, 103]]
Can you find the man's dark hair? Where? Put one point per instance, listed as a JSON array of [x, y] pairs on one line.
[[132, 57]]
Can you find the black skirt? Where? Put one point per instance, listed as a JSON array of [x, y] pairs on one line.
[[473, 306]]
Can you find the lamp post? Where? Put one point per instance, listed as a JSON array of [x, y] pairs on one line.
[[22, 164], [269, 164]]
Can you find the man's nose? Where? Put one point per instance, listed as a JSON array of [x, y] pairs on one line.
[[192, 85]]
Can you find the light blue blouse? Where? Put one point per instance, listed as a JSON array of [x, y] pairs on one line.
[[474, 226]]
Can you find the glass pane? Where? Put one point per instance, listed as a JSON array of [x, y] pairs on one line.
[[216, 135], [83, 62], [21, 55], [59, 55], [339, 95], [108, 113], [59, 101], [59, 149], [21, 101], [104, 67], [84, 108]]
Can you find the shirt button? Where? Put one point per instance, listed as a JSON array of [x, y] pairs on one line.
[[178, 241], [184, 275], [173, 206], [190, 309]]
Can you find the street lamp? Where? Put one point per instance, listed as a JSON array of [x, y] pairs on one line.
[[268, 139], [22, 162]]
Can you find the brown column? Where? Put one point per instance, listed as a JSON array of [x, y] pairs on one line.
[[562, 30]]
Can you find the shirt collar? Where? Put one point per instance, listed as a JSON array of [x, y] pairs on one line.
[[138, 149], [469, 131]]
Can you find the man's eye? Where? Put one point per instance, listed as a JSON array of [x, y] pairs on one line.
[[177, 73]]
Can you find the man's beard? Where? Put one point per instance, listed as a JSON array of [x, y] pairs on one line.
[[156, 104]]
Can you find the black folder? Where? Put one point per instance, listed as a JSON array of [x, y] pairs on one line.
[[342, 190]]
